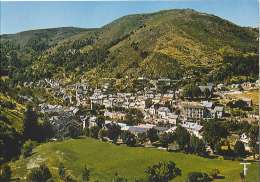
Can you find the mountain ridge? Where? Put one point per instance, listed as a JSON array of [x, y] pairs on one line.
[[168, 43]]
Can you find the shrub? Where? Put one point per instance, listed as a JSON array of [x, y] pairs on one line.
[[239, 149], [38, 174], [27, 148], [163, 171], [198, 177]]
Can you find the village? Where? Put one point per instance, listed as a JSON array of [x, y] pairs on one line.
[[163, 111]]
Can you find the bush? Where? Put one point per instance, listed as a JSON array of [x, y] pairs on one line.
[[198, 177], [27, 148], [128, 138], [39, 174], [152, 135], [197, 146], [85, 174], [163, 171], [102, 134], [93, 131], [239, 149]]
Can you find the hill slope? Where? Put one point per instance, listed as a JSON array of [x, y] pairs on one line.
[[53, 35], [106, 159], [173, 43]]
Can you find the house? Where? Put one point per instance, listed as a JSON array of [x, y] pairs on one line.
[[245, 140], [152, 110], [221, 86], [193, 128], [163, 111], [192, 110], [208, 87], [97, 98], [248, 101], [248, 85], [171, 130], [235, 85], [172, 118], [143, 128], [212, 111], [115, 115], [217, 112]]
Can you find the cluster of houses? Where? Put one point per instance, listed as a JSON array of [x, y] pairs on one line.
[[61, 117], [164, 111]]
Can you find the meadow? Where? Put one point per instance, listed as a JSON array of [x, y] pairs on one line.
[[105, 159]]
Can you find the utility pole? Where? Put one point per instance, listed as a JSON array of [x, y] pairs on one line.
[[245, 168]]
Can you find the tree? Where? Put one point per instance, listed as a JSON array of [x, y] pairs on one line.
[[100, 121], [46, 131], [240, 104], [102, 133], [113, 131], [93, 131], [165, 139], [163, 171], [207, 93], [198, 177], [27, 148], [73, 131], [182, 137], [39, 174], [133, 117], [30, 126], [148, 103], [197, 145], [61, 171], [214, 131], [10, 141], [239, 148], [85, 132], [85, 174], [5, 173], [152, 135], [191, 91], [128, 138], [253, 136], [141, 137]]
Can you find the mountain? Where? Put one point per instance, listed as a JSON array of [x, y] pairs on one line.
[[173, 43], [53, 35]]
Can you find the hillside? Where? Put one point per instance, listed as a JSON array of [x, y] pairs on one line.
[[52, 35], [105, 159], [172, 43], [11, 112]]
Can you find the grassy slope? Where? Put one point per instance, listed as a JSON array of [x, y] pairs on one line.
[[106, 159], [14, 116], [252, 94]]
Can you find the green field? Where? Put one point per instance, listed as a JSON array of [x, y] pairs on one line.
[[106, 159]]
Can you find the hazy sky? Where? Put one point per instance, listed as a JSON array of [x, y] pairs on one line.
[[20, 16]]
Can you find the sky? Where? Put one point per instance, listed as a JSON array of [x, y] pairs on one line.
[[20, 16]]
